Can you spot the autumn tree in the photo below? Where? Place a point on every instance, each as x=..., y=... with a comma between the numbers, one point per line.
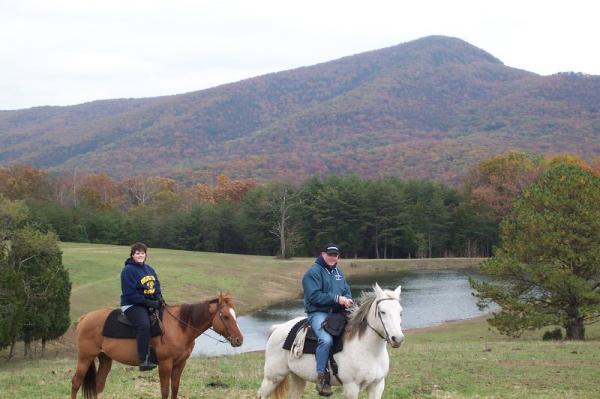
x=547, y=269
x=498, y=181
x=200, y=193
x=24, y=182
x=231, y=190
x=100, y=191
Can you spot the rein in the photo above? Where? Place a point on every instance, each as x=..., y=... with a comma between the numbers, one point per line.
x=199, y=330
x=377, y=313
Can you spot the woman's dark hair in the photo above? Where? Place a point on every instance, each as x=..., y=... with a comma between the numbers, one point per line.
x=138, y=246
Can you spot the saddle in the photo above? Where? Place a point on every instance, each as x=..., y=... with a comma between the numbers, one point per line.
x=310, y=340
x=118, y=326
x=303, y=335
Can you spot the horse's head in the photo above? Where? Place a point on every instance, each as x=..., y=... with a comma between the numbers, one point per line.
x=386, y=315
x=224, y=320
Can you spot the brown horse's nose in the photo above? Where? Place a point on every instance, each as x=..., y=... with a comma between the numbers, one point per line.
x=237, y=341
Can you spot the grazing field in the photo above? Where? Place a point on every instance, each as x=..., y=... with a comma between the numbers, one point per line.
x=455, y=360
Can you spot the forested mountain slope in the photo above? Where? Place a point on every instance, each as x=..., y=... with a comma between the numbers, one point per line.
x=427, y=108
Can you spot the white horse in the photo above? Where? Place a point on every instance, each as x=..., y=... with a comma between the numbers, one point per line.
x=362, y=364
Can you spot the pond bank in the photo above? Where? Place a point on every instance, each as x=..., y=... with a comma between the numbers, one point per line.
x=256, y=282
x=353, y=268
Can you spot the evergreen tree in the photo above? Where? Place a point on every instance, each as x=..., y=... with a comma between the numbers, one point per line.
x=13, y=215
x=547, y=269
x=37, y=259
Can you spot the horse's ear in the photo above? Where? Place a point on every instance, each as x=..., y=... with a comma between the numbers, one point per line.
x=397, y=291
x=377, y=289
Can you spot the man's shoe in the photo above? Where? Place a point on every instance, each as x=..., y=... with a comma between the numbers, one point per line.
x=323, y=385
x=147, y=365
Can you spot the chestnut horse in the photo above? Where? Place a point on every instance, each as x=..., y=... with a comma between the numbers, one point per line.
x=182, y=324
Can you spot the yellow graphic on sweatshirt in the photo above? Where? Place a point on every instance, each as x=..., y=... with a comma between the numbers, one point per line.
x=148, y=281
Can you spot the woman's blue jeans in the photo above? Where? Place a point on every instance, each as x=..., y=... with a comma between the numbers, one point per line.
x=324, y=339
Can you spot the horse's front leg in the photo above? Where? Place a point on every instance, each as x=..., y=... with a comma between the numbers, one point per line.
x=351, y=390
x=375, y=390
x=176, y=377
x=164, y=372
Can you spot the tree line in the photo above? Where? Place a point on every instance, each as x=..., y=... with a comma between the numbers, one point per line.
x=545, y=268
x=383, y=218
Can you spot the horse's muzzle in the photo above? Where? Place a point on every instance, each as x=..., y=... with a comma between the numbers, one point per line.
x=396, y=341
x=236, y=341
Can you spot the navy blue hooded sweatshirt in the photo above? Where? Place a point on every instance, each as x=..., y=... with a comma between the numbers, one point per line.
x=323, y=286
x=138, y=282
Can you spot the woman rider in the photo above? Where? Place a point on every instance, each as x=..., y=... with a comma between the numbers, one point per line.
x=140, y=293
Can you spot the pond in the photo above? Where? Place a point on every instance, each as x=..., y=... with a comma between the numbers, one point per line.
x=428, y=297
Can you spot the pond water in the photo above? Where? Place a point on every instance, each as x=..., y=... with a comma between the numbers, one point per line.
x=428, y=297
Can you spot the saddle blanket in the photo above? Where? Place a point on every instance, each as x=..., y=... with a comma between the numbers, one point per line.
x=310, y=342
x=114, y=328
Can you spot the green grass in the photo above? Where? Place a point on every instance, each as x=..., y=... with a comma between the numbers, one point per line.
x=457, y=360
x=185, y=276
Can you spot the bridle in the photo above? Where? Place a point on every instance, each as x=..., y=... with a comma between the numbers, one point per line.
x=219, y=313
x=378, y=313
x=229, y=336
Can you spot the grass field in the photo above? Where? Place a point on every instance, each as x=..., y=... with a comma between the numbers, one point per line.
x=454, y=360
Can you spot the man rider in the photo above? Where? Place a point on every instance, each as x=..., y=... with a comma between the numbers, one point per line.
x=325, y=290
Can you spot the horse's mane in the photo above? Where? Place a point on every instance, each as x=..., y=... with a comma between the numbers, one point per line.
x=194, y=314
x=358, y=315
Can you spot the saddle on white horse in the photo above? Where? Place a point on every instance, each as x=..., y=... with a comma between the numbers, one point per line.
x=301, y=339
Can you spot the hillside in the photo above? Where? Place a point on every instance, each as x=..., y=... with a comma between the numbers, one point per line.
x=427, y=108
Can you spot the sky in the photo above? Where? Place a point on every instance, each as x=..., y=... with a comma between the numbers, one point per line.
x=65, y=52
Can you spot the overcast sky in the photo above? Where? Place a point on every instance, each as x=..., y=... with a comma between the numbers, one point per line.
x=63, y=52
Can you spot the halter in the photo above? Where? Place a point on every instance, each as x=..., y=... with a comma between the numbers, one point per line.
x=220, y=314
x=377, y=313
x=229, y=337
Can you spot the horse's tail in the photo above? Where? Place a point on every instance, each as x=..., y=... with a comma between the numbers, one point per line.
x=281, y=391
x=273, y=328
x=89, y=382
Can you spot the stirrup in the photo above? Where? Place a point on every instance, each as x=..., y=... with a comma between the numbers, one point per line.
x=147, y=365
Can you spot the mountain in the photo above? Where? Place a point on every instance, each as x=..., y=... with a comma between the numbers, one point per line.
x=428, y=108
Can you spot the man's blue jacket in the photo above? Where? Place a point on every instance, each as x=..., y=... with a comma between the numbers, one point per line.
x=323, y=286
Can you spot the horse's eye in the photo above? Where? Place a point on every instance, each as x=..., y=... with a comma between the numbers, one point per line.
x=381, y=312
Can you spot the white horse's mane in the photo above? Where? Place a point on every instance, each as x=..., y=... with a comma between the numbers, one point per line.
x=357, y=322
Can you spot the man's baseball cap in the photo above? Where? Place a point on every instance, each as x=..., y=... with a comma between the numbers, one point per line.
x=331, y=249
